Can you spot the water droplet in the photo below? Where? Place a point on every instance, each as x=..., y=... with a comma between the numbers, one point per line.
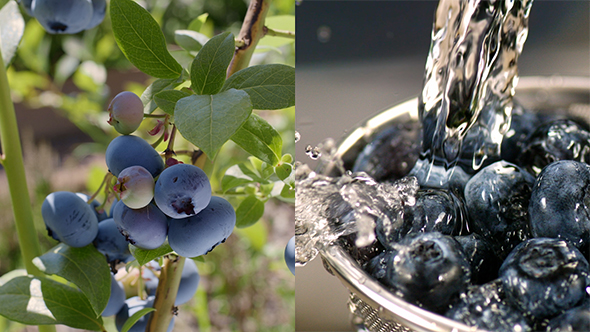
x=297, y=136
x=324, y=34
x=313, y=152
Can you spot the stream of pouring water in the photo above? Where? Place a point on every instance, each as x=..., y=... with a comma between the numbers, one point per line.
x=469, y=81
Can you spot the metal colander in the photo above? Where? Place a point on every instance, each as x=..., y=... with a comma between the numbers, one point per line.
x=373, y=307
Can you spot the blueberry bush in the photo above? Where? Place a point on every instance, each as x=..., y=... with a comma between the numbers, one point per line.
x=195, y=147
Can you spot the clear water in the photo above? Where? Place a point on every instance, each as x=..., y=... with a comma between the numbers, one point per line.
x=469, y=83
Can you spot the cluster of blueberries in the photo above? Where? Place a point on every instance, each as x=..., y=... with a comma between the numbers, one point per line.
x=506, y=249
x=154, y=203
x=66, y=16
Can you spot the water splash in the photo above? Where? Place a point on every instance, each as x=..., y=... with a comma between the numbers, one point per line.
x=327, y=208
x=469, y=83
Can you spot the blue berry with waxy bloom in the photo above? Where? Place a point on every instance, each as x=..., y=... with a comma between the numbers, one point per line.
x=95, y=205
x=111, y=243
x=182, y=190
x=145, y=228
x=200, y=233
x=290, y=254
x=69, y=219
x=62, y=16
x=116, y=298
x=129, y=150
x=99, y=9
x=189, y=282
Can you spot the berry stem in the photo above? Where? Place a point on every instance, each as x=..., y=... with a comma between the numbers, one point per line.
x=166, y=293
x=17, y=182
x=106, y=178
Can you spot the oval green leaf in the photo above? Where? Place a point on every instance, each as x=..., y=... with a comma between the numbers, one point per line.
x=144, y=256
x=162, y=84
x=283, y=171
x=208, y=121
x=141, y=40
x=190, y=40
x=271, y=87
x=249, y=212
x=84, y=267
x=12, y=28
x=209, y=67
x=259, y=139
x=166, y=100
x=40, y=301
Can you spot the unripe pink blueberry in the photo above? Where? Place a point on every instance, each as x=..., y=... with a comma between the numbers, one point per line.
x=125, y=112
x=135, y=185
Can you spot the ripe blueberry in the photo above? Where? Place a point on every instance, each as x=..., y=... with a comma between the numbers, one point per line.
x=69, y=219
x=560, y=203
x=128, y=150
x=182, y=190
x=145, y=228
x=543, y=277
x=200, y=233
x=62, y=16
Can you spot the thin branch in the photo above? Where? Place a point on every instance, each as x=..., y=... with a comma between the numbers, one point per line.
x=279, y=33
x=252, y=31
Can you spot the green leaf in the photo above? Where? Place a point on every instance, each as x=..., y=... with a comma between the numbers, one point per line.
x=141, y=40
x=249, y=212
x=135, y=317
x=236, y=176
x=287, y=192
x=190, y=40
x=84, y=267
x=166, y=100
x=270, y=87
x=198, y=22
x=208, y=121
x=40, y=301
x=283, y=171
x=209, y=67
x=147, y=97
x=12, y=28
x=144, y=256
x=11, y=275
x=259, y=139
